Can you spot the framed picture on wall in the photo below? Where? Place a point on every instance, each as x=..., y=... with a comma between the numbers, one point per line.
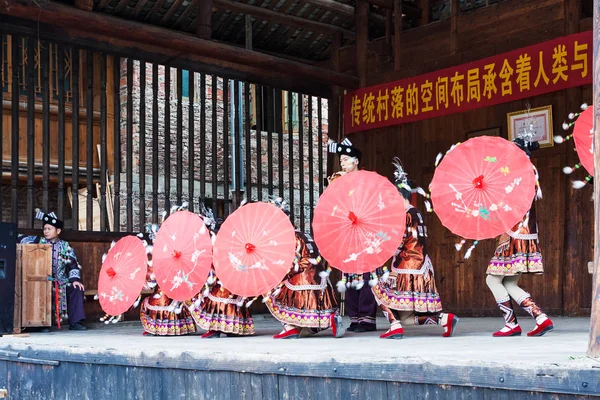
x=484, y=132
x=539, y=119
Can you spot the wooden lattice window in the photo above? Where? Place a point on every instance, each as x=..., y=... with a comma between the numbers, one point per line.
x=53, y=54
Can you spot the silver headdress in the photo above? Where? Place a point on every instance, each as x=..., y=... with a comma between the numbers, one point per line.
x=208, y=216
x=400, y=176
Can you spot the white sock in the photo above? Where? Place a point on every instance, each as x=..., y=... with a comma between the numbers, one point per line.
x=509, y=327
x=541, y=318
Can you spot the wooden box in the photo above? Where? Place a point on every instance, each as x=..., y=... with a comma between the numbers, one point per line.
x=33, y=289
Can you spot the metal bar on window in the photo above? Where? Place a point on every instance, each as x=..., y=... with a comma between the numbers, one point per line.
x=179, y=146
x=117, y=143
x=248, y=142
x=270, y=96
x=61, y=131
x=30, y=86
x=214, y=97
x=291, y=153
x=155, y=148
x=203, y=138
x=167, y=135
x=225, y=147
x=301, y=157
x=89, y=141
x=142, y=147
x=75, y=141
x=259, y=113
x=129, y=144
x=103, y=117
x=15, y=129
x=191, y=143
x=280, y=157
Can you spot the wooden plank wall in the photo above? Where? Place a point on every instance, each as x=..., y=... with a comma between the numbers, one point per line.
x=565, y=216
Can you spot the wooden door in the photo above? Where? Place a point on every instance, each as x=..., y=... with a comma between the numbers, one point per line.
x=36, y=264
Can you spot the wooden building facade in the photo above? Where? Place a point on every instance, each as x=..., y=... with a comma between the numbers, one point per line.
x=565, y=215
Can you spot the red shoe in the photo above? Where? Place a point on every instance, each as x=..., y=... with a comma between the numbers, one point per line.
x=289, y=334
x=516, y=331
x=541, y=329
x=450, y=326
x=397, y=333
x=211, y=335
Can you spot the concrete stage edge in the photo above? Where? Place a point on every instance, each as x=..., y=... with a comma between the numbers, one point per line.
x=117, y=362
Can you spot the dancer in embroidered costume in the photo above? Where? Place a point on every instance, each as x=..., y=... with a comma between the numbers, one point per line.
x=161, y=315
x=66, y=272
x=360, y=303
x=518, y=252
x=409, y=295
x=302, y=305
x=219, y=311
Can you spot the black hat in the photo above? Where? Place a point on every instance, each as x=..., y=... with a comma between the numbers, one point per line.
x=50, y=219
x=345, y=148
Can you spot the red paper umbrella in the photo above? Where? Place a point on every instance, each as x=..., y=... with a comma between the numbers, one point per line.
x=483, y=187
x=359, y=222
x=583, y=136
x=254, y=249
x=182, y=255
x=122, y=275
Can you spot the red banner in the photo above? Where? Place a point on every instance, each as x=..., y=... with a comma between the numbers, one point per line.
x=546, y=67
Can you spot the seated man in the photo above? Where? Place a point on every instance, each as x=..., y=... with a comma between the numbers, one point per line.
x=65, y=271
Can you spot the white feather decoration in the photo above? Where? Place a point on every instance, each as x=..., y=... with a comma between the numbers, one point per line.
x=104, y=257
x=112, y=244
x=324, y=274
x=568, y=170
x=421, y=191
x=558, y=138
x=438, y=159
x=249, y=303
x=578, y=184
x=137, y=302
x=360, y=284
x=157, y=296
x=140, y=235
x=341, y=286
x=313, y=261
x=276, y=292
x=373, y=282
x=538, y=193
x=96, y=296
x=584, y=106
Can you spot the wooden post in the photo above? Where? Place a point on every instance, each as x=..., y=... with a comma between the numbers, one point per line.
x=397, y=33
x=594, y=343
x=453, y=25
x=424, y=5
x=203, y=18
x=362, y=40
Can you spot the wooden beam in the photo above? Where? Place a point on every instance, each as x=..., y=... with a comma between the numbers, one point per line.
x=397, y=33
x=594, y=343
x=425, y=12
x=152, y=13
x=343, y=9
x=111, y=28
x=362, y=40
x=85, y=5
x=281, y=18
x=172, y=10
x=333, y=107
x=203, y=18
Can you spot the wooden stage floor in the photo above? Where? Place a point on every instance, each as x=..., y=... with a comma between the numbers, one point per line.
x=117, y=362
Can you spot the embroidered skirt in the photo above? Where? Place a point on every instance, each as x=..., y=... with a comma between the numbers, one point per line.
x=220, y=312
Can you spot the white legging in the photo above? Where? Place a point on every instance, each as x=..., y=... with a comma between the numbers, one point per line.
x=504, y=286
